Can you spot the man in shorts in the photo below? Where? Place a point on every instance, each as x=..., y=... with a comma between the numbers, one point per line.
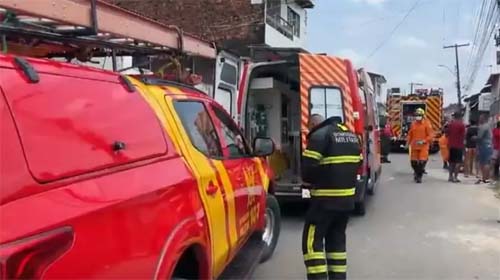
x=496, y=152
x=484, y=148
x=470, y=153
x=456, y=144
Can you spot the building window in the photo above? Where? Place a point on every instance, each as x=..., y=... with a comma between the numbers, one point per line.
x=274, y=18
x=294, y=20
x=273, y=8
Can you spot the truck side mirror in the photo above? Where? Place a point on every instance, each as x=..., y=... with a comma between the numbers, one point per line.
x=263, y=146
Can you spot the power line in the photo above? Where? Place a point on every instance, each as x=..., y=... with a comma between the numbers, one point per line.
x=488, y=17
x=398, y=25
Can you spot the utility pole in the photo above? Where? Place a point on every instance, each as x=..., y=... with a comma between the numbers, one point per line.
x=459, y=90
x=414, y=84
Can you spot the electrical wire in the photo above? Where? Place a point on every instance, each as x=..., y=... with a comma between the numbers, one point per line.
x=489, y=16
x=393, y=31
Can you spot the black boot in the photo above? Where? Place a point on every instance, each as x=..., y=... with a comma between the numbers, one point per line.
x=420, y=171
x=414, y=165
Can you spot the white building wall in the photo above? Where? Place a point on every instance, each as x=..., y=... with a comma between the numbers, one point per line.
x=275, y=39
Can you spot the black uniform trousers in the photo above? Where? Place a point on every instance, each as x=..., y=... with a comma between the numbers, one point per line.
x=324, y=242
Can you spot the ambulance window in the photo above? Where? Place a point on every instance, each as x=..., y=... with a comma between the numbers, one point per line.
x=199, y=126
x=224, y=98
x=327, y=102
x=229, y=74
x=234, y=142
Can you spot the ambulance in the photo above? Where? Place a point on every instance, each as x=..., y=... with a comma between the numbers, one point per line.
x=274, y=96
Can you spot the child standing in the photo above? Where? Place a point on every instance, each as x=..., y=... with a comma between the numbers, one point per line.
x=444, y=150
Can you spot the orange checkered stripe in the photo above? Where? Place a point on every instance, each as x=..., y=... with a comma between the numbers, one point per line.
x=393, y=108
x=434, y=113
x=326, y=71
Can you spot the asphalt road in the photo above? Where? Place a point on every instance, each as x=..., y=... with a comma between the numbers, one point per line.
x=436, y=230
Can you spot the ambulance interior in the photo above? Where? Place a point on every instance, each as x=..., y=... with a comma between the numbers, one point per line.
x=273, y=110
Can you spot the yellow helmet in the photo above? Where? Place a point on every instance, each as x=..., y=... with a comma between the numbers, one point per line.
x=420, y=112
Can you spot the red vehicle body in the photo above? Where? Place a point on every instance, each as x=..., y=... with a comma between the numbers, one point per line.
x=99, y=180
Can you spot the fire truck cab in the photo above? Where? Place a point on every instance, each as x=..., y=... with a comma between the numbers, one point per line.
x=277, y=92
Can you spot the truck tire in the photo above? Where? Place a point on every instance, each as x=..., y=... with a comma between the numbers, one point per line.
x=360, y=208
x=272, y=229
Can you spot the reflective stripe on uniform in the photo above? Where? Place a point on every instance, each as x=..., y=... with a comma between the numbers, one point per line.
x=337, y=268
x=317, y=269
x=337, y=256
x=310, y=238
x=314, y=256
x=334, y=192
x=340, y=159
x=343, y=127
x=312, y=154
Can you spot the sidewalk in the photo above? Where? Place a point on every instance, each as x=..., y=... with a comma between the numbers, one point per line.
x=442, y=175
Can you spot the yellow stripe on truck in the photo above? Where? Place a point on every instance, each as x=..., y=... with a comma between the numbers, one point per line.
x=264, y=178
x=229, y=190
x=200, y=167
x=214, y=205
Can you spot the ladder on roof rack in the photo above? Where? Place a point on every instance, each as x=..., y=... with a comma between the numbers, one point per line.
x=59, y=26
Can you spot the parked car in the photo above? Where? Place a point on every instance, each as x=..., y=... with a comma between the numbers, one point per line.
x=104, y=176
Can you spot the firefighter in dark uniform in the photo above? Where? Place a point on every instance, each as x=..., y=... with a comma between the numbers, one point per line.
x=329, y=170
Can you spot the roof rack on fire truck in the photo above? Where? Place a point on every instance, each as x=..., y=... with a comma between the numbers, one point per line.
x=93, y=28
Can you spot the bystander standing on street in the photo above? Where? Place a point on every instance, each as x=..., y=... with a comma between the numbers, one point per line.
x=470, y=153
x=484, y=148
x=443, y=147
x=386, y=142
x=496, y=151
x=456, y=140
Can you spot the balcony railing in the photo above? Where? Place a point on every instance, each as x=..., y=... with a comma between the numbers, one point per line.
x=280, y=24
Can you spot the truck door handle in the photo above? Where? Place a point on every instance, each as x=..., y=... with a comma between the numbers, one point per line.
x=211, y=189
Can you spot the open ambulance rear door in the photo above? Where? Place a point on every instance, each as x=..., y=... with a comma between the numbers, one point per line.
x=371, y=125
x=227, y=76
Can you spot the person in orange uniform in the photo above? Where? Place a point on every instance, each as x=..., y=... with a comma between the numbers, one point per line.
x=419, y=139
x=443, y=148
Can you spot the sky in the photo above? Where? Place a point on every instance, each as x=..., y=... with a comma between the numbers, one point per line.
x=354, y=28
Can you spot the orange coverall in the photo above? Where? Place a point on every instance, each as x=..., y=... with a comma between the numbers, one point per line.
x=420, y=131
x=443, y=148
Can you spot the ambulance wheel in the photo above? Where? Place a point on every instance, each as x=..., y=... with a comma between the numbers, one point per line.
x=360, y=208
x=272, y=228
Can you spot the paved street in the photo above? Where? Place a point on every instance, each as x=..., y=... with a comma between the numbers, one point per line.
x=436, y=230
